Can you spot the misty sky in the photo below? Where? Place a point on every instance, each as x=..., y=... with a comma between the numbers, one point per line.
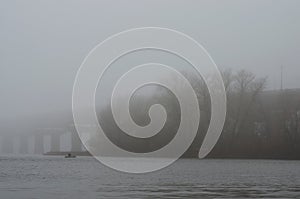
x=44, y=42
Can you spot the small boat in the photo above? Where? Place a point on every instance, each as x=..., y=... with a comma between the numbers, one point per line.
x=69, y=155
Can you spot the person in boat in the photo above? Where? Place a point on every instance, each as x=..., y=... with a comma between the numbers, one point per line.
x=69, y=155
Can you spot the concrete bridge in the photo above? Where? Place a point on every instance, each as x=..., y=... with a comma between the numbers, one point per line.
x=40, y=141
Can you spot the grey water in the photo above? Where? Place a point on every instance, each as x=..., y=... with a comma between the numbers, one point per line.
x=84, y=177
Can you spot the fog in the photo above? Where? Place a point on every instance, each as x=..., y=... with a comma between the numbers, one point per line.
x=43, y=43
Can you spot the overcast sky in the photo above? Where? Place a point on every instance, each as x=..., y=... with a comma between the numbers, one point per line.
x=44, y=42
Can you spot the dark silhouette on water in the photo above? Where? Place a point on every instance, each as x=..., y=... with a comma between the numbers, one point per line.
x=69, y=155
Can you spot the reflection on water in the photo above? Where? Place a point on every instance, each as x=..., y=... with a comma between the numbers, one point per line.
x=84, y=177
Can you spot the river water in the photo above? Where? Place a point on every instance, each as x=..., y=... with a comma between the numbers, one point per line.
x=83, y=177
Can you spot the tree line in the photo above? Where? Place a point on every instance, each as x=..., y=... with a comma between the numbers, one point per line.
x=259, y=123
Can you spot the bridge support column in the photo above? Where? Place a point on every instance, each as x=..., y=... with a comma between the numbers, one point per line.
x=298, y=122
x=24, y=145
x=55, y=143
x=7, y=145
x=39, y=144
x=75, y=142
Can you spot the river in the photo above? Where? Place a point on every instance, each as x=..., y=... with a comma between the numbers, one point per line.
x=83, y=177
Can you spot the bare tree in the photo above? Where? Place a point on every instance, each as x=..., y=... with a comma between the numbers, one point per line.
x=246, y=90
x=228, y=78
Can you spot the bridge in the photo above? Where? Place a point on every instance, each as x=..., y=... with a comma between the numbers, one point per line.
x=37, y=141
x=39, y=134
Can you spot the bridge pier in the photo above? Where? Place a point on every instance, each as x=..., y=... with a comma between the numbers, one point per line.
x=39, y=144
x=76, y=144
x=55, y=143
x=7, y=145
x=298, y=122
x=24, y=144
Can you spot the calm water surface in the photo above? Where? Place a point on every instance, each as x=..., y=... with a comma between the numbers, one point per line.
x=84, y=177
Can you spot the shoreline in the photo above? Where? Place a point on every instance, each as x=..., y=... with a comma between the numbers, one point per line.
x=87, y=154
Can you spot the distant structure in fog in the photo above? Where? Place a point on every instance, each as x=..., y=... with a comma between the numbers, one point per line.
x=11, y=140
x=281, y=78
x=270, y=129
